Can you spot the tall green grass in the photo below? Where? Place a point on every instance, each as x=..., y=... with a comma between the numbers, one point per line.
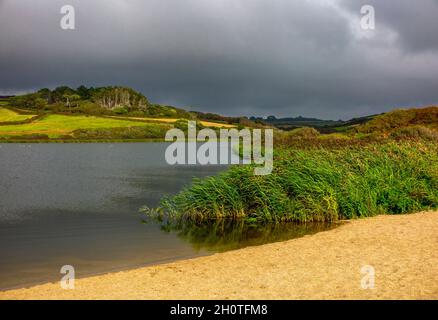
x=317, y=184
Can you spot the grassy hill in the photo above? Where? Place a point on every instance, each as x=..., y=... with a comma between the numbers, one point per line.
x=110, y=101
x=401, y=118
x=15, y=126
x=106, y=113
x=399, y=124
x=111, y=113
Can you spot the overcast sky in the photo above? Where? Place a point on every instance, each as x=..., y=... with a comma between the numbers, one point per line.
x=234, y=57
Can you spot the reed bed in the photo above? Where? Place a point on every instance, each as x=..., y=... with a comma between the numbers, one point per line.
x=316, y=184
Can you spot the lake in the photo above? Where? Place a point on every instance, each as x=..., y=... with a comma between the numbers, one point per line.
x=78, y=204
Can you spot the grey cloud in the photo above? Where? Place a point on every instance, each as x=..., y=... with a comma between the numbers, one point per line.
x=253, y=57
x=416, y=23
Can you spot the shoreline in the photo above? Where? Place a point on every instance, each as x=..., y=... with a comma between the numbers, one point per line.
x=125, y=268
x=36, y=141
x=403, y=249
x=74, y=141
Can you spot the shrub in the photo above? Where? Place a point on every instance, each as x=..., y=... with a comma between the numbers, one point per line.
x=120, y=110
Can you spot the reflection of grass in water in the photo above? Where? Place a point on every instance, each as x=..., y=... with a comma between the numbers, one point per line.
x=223, y=235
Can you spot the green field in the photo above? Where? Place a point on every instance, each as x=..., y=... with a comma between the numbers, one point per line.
x=55, y=126
x=7, y=115
x=86, y=127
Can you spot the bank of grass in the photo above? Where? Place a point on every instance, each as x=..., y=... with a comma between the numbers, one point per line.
x=317, y=184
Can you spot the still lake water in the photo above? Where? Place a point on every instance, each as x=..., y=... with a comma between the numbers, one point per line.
x=78, y=204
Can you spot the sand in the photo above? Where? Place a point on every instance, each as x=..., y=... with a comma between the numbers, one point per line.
x=403, y=250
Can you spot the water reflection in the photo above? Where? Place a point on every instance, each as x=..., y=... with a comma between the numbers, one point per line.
x=223, y=235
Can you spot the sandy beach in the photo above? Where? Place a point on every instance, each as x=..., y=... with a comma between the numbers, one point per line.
x=403, y=250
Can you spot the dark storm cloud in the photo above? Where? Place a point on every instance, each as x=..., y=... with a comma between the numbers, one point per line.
x=233, y=57
x=416, y=24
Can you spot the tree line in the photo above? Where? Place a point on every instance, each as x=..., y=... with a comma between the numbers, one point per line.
x=97, y=101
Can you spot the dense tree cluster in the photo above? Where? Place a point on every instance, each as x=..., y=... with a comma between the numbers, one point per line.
x=100, y=101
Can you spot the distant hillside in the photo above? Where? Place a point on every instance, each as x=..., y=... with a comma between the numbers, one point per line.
x=126, y=102
x=297, y=122
x=323, y=126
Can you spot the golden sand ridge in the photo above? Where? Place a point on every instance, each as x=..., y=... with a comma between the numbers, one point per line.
x=402, y=249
